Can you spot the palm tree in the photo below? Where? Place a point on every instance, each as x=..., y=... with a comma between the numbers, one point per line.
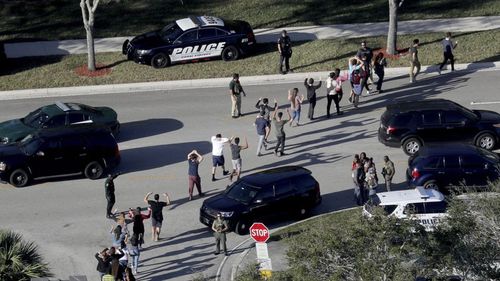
x=20, y=260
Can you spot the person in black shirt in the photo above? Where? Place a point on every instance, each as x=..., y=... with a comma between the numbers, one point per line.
x=367, y=52
x=103, y=262
x=285, y=50
x=156, y=213
x=109, y=189
x=311, y=95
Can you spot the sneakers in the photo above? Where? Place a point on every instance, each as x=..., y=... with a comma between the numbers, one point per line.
x=225, y=173
x=213, y=177
x=439, y=71
x=350, y=99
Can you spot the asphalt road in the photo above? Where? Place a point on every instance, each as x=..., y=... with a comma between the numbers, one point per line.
x=66, y=217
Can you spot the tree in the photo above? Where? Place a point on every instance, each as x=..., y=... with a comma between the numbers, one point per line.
x=88, y=12
x=392, y=34
x=468, y=243
x=20, y=260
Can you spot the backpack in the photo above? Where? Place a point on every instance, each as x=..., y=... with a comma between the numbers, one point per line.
x=356, y=76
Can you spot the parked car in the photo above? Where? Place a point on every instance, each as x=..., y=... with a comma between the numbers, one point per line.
x=50, y=153
x=427, y=206
x=413, y=124
x=441, y=167
x=58, y=115
x=192, y=39
x=267, y=194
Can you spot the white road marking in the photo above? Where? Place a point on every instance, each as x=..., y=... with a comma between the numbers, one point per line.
x=484, y=102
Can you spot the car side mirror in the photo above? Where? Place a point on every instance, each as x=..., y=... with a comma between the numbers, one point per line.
x=40, y=153
x=258, y=201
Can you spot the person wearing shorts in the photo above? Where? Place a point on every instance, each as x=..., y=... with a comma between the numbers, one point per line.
x=156, y=213
x=217, y=154
x=236, y=148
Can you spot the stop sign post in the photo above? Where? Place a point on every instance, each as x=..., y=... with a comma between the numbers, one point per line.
x=259, y=232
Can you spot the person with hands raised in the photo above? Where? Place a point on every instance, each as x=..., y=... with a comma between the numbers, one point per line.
x=156, y=213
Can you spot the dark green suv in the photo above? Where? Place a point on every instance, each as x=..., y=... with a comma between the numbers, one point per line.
x=58, y=115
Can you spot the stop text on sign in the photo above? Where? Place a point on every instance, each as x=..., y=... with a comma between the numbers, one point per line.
x=259, y=232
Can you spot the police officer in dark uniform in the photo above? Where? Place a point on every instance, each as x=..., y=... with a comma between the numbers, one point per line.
x=285, y=50
x=109, y=189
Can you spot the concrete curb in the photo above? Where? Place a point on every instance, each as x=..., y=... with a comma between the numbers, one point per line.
x=213, y=83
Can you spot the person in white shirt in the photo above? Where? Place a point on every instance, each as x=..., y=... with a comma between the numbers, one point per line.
x=217, y=154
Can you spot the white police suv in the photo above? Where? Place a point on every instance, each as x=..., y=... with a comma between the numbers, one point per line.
x=192, y=39
x=428, y=206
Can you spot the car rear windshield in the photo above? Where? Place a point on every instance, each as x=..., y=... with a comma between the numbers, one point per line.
x=242, y=192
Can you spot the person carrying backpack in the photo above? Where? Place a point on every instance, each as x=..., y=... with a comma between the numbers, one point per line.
x=357, y=85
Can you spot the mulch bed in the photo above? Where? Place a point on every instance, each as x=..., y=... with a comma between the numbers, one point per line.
x=101, y=70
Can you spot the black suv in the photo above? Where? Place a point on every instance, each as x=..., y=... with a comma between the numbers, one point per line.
x=58, y=152
x=415, y=123
x=192, y=39
x=263, y=195
x=444, y=166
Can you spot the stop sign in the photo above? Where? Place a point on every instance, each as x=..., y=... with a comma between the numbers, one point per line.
x=259, y=232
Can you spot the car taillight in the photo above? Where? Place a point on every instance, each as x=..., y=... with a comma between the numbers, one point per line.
x=415, y=174
x=390, y=130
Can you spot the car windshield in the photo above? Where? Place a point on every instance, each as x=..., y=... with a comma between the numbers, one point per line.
x=170, y=32
x=242, y=192
x=35, y=119
x=29, y=145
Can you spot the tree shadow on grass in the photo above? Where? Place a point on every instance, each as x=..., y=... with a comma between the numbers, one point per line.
x=15, y=65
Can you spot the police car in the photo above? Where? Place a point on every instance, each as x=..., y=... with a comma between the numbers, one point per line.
x=192, y=39
x=427, y=206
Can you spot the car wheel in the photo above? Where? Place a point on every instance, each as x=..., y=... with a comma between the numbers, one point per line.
x=411, y=146
x=19, y=178
x=432, y=184
x=159, y=60
x=486, y=141
x=242, y=227
x=93, y=170
x=230, y=53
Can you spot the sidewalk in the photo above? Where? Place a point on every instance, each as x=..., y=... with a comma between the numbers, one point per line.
x=305, y=33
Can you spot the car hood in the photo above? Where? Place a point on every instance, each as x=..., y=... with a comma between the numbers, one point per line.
x=488, y=116
x=148, y=41
x=8, y=150
x=223, y=203
x=14, y=130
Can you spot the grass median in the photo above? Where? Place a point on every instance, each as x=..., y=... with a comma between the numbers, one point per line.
x=319, y=55
x=61, y=19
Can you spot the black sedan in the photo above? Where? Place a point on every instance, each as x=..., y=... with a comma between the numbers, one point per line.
x=56, y=116
x=192, y=39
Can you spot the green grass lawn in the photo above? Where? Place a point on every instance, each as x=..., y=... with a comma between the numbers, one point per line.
x=319, y=55
x=61, y=19
x=334, y=219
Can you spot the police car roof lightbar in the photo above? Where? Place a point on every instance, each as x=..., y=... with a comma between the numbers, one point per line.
x=424, y=193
